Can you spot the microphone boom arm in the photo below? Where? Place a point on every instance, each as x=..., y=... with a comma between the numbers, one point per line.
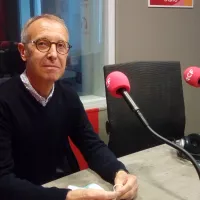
x=136, y=109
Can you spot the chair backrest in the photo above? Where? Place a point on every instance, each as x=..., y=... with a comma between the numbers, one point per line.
x=156, y=87
x=11, y=63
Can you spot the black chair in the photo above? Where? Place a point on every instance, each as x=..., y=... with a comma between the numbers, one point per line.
x=11, y=63
x=156, y=87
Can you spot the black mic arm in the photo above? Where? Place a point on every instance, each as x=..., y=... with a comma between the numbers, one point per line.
x=136, y=109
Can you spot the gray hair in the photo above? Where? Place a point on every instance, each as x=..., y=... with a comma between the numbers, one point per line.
x=24, y=34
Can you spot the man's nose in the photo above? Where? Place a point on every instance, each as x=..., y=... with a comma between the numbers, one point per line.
x=52, y=53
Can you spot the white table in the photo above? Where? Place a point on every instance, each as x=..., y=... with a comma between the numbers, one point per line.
x=161, y=176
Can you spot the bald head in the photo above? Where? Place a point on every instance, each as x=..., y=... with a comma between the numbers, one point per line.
x=25, y=34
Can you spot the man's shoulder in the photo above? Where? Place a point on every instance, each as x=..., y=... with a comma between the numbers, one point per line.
x=68, y=95
x=66, y=88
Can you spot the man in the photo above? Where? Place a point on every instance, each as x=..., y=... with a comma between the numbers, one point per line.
x=38, y=113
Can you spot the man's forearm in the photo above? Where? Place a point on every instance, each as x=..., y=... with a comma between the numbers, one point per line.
x=13, y=188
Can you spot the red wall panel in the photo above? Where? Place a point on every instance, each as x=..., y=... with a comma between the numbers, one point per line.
x=93, y=116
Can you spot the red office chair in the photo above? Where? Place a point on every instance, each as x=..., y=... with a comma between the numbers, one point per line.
x=2, y=20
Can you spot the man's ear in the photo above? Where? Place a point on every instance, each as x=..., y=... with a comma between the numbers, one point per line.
x=22, y=51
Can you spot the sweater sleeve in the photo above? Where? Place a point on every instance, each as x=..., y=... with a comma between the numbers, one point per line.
x=12, y=187
x=95, y=151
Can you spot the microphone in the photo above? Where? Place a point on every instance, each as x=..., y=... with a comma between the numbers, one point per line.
x=192, y=76
x=118, y=86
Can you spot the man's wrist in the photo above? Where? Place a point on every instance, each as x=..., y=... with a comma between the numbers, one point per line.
x=121, y=171
x=68, y=195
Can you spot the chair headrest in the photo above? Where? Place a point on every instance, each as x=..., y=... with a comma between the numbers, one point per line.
x=8, y=45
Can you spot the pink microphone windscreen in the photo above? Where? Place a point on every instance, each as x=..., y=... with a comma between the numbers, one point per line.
x=117, y=80
x=192, y=76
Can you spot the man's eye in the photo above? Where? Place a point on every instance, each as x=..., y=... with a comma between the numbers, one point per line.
x=43, y=44
x=61, y=45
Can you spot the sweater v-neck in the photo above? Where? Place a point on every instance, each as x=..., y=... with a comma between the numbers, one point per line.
x=33, y=99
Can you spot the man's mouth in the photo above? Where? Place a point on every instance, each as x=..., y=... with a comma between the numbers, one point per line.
x=51, y=66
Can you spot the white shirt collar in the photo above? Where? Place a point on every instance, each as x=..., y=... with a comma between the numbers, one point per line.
x=30, y=88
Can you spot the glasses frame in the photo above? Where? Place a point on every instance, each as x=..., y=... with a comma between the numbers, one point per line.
x=56, y=43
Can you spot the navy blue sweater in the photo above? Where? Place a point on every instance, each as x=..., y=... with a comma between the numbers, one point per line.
x=34, y=146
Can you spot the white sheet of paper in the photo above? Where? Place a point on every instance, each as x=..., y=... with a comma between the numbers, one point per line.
x=90, y=186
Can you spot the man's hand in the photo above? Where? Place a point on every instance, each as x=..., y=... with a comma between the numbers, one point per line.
x=126, y=185
x=91, y=194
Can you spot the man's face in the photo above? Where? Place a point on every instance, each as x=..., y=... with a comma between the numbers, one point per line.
x=46, y=66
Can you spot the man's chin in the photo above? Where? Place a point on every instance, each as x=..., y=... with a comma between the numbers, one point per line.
x=52, y=78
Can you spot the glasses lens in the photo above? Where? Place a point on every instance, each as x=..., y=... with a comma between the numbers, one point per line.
x=62, y=47
x=43, y=45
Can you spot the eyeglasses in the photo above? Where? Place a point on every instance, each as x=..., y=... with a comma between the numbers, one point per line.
x=44, y=45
